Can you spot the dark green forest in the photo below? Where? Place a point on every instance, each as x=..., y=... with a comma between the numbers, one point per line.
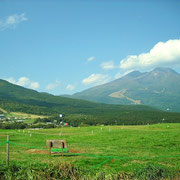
x=95, y=115
x=77, y=112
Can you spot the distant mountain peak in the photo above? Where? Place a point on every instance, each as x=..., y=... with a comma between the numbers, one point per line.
x=134, y=73
x=159, y=88
x=164, y=69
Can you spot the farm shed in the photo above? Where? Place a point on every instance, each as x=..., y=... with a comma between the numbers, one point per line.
x=56, y=144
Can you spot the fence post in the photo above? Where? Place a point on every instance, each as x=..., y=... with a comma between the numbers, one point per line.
x=7, y=151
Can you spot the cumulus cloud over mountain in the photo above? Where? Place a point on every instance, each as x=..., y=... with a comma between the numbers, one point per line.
x=162, y=54
x=96, y=79
x=24, y=81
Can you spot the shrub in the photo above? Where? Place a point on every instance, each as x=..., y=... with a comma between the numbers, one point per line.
x=154, y=172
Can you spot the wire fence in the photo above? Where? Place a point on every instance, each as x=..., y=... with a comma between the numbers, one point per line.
x=28, y=146
x=34, y=154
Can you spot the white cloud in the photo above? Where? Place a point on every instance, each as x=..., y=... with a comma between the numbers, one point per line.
x=11, y=80
x=53, y=86
x=162, y=54
x=70, y=87
x=24, y=81
x=108, y=65
x=96, y=79
x=34, y=85
x=12, y=21
x=91, y=58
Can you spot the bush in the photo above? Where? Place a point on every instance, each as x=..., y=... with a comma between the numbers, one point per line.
x=66, y=171
x=154, y=172
x=18, y=171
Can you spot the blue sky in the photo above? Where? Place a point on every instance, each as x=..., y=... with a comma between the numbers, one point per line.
x=63, y=47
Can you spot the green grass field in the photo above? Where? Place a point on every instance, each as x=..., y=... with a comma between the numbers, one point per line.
x=111, y=149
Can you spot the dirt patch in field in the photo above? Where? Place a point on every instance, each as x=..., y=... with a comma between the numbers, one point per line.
x=74, y=151
x=38, y=151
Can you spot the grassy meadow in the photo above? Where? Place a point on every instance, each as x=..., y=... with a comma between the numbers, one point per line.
x=108, y=149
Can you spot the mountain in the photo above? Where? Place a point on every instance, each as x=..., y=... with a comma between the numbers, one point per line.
x=159, y=88
x=15, y=98
x=48, y=103
x=11, y=93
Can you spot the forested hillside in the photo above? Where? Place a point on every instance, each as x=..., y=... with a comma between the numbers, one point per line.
x=15, y=98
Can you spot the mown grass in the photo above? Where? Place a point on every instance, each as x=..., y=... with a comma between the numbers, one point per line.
x=137, y=151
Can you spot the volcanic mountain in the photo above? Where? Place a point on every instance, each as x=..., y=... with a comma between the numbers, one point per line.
x=159, y=88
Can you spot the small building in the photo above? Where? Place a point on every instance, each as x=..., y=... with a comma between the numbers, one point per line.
x=2, y=117
x=56, y=144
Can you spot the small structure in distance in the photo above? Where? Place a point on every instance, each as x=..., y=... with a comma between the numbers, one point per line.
x=2, y=117
x=57, y=146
